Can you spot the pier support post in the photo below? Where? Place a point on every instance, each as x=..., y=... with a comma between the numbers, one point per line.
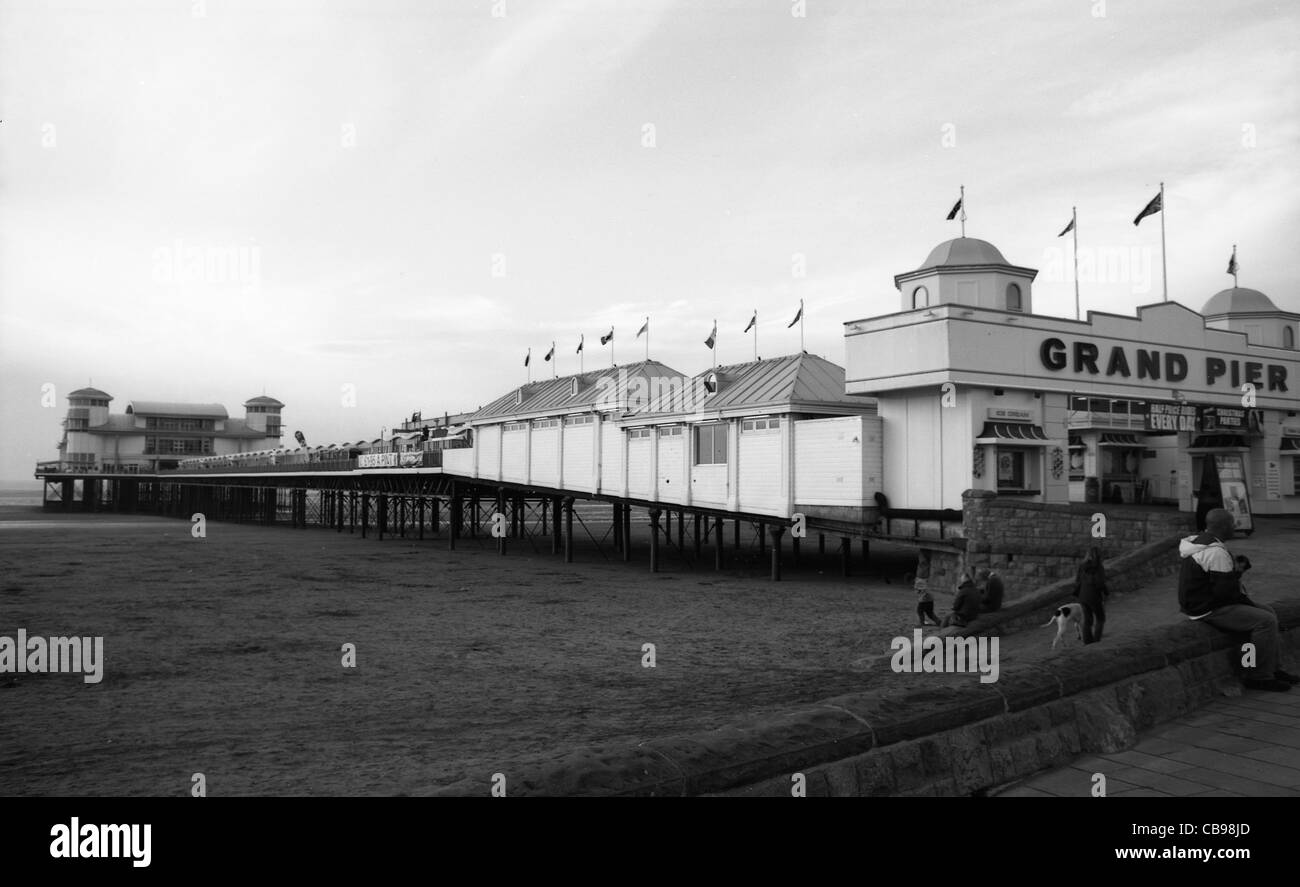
x=654, y=540
x=419, y=515
x=365, y=514
x=846, y=552
x=568, y=530
x=556, y=535
x=696, y=531
x=777, y=531
x=762, y=540
x=617, y=518
x=501, y=510
x=627, y=533
x=717, y=544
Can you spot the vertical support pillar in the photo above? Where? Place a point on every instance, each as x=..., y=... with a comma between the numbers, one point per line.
x=696, y=531
x=654, y=540
x=365, y=514
x=735, y=534
x=618, y=526
x=435, y=520
x=794, y=548
x=777, y=530
x=501, y=509
x=846, y=552
x=627, y=533
x=762, y=541
x=568, y=530
x=681, y=530
x=419, y=515
x=557, y=543
x=717, y=545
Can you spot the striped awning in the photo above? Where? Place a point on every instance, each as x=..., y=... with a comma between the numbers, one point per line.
x=1116, y=439
x=1291, y=445
x=1018, y=433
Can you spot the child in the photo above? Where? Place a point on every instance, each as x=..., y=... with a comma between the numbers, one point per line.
x=924, y=600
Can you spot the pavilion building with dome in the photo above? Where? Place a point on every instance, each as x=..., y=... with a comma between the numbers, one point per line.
x=153, y=435
x=1169, y=406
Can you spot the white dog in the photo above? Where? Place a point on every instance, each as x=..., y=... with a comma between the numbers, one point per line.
x=1064, y=617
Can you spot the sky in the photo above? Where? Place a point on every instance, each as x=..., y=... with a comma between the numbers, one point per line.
x=204, y=200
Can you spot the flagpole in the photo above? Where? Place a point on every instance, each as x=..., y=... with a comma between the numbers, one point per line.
x=803, y=347
x=647, y=338
x=755, y=334
x=528, y=364
x=582, y=357
x=555, y=359
x=1234, y=266
x=1164, y=267
x=611, y=347
x=714, y=349
x=963, y=228
x=1075, y=219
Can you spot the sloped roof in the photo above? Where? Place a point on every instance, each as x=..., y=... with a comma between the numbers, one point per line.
x=555, y=397
x=796, y=382
x=263, y=400
x=168, y=408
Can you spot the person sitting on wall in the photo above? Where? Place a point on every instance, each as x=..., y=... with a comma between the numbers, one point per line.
x=991, y=590
x=966, y=605
x=1090, y=588
x=1210, y=591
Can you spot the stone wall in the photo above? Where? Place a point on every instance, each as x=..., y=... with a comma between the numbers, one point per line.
x=1033, y=545
x=927, y=740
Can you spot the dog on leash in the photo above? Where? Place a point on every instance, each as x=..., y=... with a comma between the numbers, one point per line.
x=1065, y=617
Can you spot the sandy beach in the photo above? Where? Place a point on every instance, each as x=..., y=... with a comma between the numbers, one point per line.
x=223, y=655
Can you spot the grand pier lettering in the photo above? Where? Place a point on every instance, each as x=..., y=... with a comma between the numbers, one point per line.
x=1169, y=366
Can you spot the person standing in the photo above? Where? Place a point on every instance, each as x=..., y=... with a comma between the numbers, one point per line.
x=1091, y=591
x=924, y=600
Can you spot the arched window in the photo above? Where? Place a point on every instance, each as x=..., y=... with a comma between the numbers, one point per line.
x=1013, y=298
x=920, y=297
x=1288, y=336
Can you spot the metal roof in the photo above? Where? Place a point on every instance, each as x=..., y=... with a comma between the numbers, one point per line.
x=796, y=381
x=556, y=397
x=167, y=408
x=263, y=399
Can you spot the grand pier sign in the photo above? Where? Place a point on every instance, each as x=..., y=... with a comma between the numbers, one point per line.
x=1083, y=356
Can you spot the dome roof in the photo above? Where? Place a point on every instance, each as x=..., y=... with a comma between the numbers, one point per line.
x=262, y=399
x=1236, y=300
x=964, y=251
x=90, y=392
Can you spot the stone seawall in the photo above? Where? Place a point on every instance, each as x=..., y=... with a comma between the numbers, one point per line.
x=1033, y=545
x=930, y=740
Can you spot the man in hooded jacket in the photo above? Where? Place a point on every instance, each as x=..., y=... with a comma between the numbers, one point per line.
x=1209, y=590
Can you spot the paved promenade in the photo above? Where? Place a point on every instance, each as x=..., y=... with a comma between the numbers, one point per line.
x=1245, y=745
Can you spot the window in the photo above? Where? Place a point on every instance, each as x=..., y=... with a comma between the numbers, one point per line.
x=711, y=444
x=514, y=426
x=1011, y=468
x=760, y=425
x=638, y=433
x=920, y=297
x=1288, y=336
x=670, y=431
x=577, y=420
x=546, y=423
x=1013, y=298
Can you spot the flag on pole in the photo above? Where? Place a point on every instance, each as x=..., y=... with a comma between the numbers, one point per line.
x=753, y=320
x=798, y=316
x=550, y=353
x=1151, y=209
x=529, y=357
x=644, y=328
x=1232, y=262
x=581, y=339
x=1067, y=229
x=956, y=208
x=713, y=336
x=606, y=339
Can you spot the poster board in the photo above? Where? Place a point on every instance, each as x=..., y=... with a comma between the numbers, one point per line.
x=1235, y=490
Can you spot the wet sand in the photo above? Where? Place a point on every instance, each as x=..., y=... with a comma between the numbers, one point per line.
x=223, y=655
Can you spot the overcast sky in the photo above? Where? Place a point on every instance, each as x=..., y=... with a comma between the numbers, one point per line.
x=415, y=193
